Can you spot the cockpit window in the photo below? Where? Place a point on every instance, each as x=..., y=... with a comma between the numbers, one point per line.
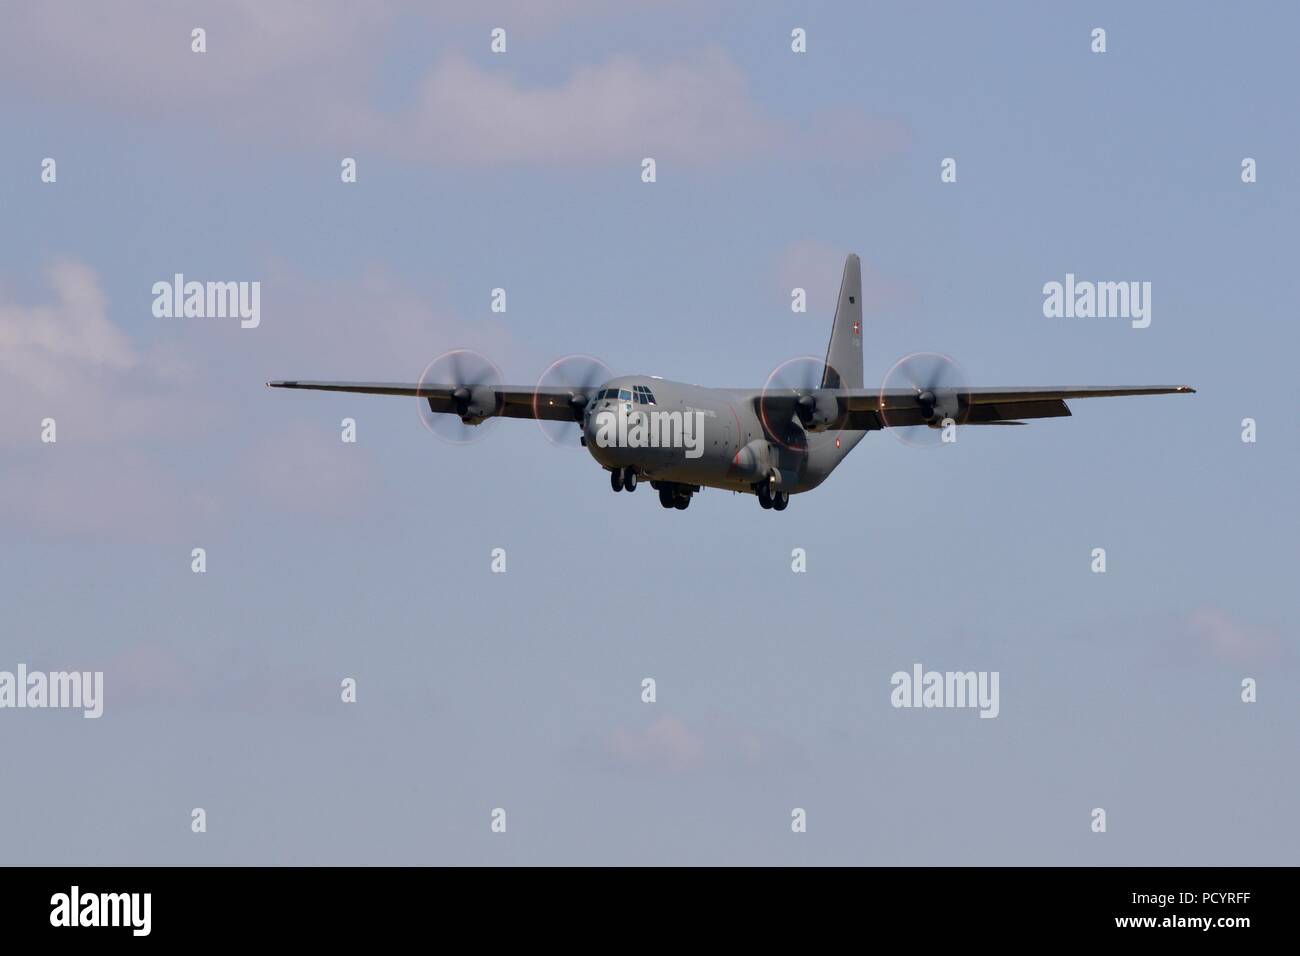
x=640, y=394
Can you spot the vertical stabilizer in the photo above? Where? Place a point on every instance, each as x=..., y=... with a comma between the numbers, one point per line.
x=844, y=356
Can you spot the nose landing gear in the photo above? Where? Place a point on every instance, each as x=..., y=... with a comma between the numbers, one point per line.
x=623, y=479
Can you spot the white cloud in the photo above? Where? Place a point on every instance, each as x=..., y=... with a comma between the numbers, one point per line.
x=75, y=327
x=65, y=359
x=156, y=440
x=719, y=745
x=297, y=73
x=666, y=742
x=138, y=54
x=696, y=110
x=1217, y=634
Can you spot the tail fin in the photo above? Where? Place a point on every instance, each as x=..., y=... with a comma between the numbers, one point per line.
x=844, y=356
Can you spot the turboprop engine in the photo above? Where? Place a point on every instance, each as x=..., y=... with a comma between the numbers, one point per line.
x=817, y=410
x=938, y=405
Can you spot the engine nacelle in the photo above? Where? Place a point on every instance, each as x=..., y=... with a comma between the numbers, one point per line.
x=818, y=410
x=939, y=404
x=475, y=403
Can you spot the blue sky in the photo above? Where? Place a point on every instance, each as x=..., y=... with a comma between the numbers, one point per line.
x=522, y=690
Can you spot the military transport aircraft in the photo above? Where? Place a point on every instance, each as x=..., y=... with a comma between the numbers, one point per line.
x=775, y=441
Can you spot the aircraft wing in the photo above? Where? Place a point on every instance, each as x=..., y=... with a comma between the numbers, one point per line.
x=509, y=401
x=984, y=406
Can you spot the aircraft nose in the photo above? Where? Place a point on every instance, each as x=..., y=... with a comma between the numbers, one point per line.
x=596, y=433
x=590, y=426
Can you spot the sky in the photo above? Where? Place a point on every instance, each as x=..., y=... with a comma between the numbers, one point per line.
x=522, y=690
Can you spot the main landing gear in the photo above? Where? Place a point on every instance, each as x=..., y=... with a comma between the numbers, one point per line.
x=673, y=495
x=769, y=497
x=622, y=479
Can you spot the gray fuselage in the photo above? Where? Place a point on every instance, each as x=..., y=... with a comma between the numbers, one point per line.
x=712, y=437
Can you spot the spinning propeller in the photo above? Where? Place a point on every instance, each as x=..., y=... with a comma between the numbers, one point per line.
x=472, y=377
x=579, y=375
x=939, y=389
x=793, y=393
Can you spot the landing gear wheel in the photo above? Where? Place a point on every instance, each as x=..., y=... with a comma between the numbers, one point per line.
x=629, y=479
x=616, y=479
x=666, y=497
x=780, y=500
x=682, y=503
x=765, y=494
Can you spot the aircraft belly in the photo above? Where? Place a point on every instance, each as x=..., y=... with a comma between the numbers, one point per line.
x=710, y=469
x=715, y=449
x=717, y=440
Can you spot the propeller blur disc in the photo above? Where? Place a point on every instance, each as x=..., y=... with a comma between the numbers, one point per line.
x=923, y=373
x=581, y=376
x=475, y=375
x=800, y=375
